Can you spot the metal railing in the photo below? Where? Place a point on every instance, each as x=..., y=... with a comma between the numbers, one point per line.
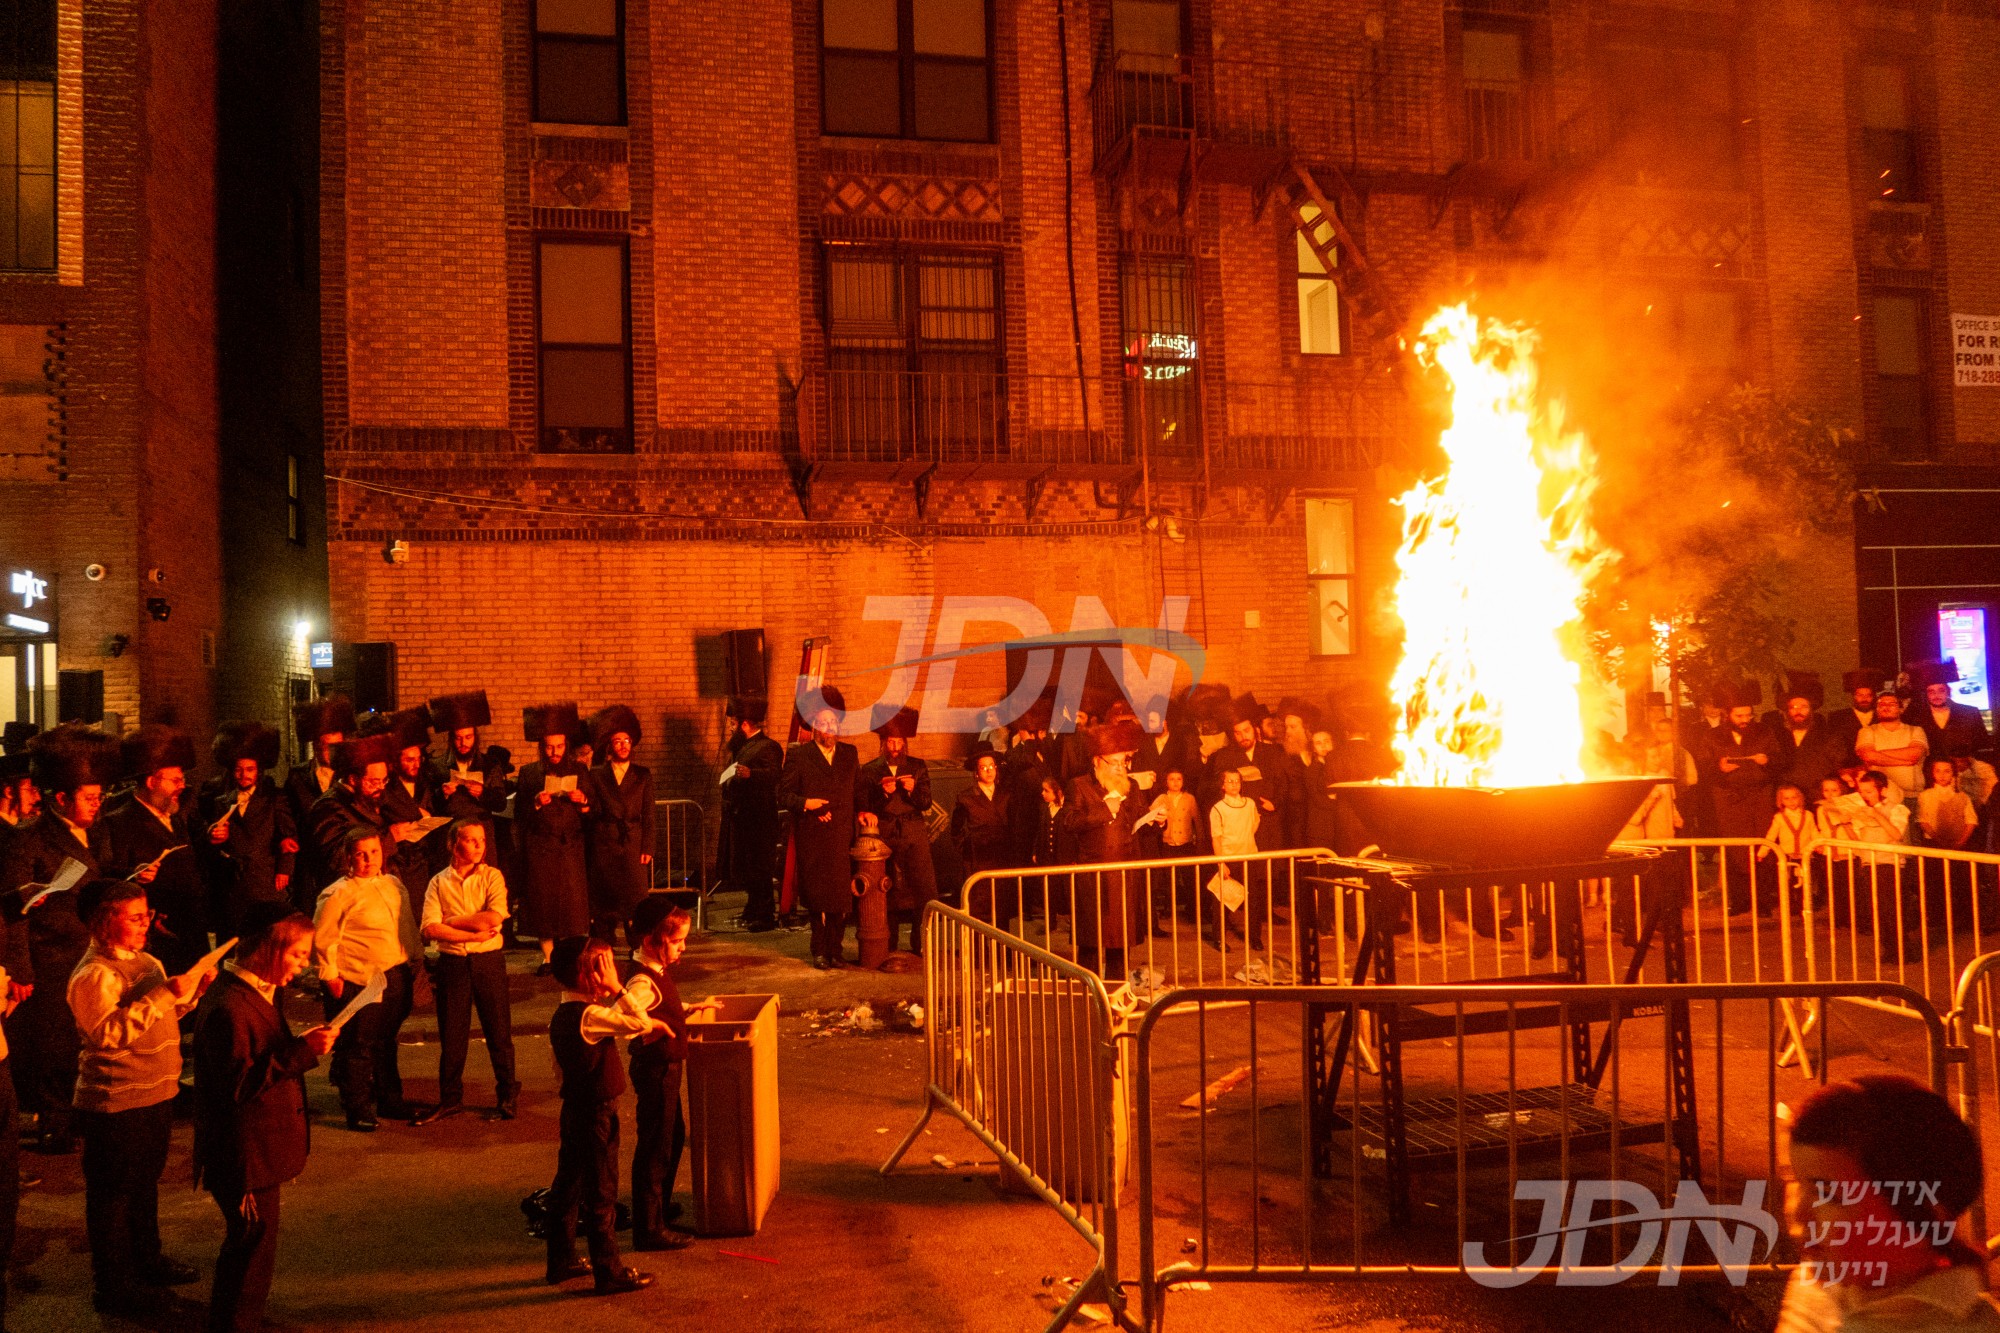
x=897, y=416
x=1022, y=1051
x=1164, y=917
x=1225, y=1133
x=1975, y=1018
x=679, y=827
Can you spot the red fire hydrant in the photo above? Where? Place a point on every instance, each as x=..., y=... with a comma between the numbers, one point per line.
x=871, y=890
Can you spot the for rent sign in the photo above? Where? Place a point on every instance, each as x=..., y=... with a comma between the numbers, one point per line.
x=1975, y=351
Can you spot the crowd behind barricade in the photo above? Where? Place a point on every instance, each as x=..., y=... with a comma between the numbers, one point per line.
x=149, y=936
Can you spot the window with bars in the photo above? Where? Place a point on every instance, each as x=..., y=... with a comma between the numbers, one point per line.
x=1320, y=333
x=1902, y=373
x=1500, y=120
x=584, y=337
x=914, y=353
x=28, y=135
x=1162, y=355
x=907, y=69
x=580, y=62
x=1888, y=133
x=1330, y=575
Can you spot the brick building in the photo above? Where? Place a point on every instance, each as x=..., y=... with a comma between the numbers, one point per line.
x=118, y=516
x=644, y=322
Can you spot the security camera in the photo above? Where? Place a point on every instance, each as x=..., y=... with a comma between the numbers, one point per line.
x=156, y=575
x=115, y=645
x=94, y=572
x=157, y=608
x=397, y=553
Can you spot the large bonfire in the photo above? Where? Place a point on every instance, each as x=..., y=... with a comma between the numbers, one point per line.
x=1495, y=559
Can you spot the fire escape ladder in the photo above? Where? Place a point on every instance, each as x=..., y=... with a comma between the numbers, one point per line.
x=1372, y=312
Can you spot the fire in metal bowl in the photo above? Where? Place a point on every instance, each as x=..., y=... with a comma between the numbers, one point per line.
x=1495, y=827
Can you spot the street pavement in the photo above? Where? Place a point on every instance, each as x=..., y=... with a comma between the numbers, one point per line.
x=422, y=1229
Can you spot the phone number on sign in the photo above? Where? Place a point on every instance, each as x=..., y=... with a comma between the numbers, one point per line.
x=1982, y=377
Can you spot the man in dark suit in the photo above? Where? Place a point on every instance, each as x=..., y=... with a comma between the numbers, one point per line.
x=73, y=766
x=323, y=724
x=245, y=829
x=1845, y=724
x=355, y=801
x=251, y=1133
x=147, y=841
x=750, y=814
x=982, y=831
x=618, y=832
x=1806, y=749
x=20, y=805
x=410, y=796
x=1954, y=730
x=474, y=782
x=818, y=788
x=896, y=789
x=1267, y=778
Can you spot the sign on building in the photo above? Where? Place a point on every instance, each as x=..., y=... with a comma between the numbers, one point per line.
x=1975, y=351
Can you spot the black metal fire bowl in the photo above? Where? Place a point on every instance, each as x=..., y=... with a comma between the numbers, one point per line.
x=1495, y=827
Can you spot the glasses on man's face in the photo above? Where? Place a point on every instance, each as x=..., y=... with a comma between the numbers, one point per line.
x=145, y=918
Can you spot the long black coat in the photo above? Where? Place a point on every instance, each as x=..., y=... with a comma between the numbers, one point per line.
x=555, y=886
x=1963, y=733
x=821, y=839
x=750, y=811
x=134, y=835
x=617, y=832
x=1118, y=918
x=982, y=829
x=414, y=862
x=309, y=873
x=1806, y=761
x=1280, y=780
x=333, y=817
x=250, y=1126
x=244, y=868
x=57, y=937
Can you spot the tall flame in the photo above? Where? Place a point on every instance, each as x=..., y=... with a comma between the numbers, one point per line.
x=1493, y=566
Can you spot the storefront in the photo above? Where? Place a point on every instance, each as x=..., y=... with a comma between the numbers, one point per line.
x=29, y=682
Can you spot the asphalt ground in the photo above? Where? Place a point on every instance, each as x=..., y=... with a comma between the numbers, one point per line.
x=421, y=1228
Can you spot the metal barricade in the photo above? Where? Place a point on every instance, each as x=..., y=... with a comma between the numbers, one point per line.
x=1975, y=1017
x=1170, y=917
x=678, y=828
x=1022, y=1051
x=1895, y=912
x=1231, y=1189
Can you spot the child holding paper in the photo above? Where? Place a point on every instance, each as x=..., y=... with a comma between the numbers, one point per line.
x=583, y=1033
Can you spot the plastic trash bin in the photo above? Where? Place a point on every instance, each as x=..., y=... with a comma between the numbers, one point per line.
x=732, y=1082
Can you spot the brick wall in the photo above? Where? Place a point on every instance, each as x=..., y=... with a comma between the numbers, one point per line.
x=733, y=195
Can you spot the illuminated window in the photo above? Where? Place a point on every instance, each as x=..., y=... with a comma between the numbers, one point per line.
x=906, y=69
x=1330, y=575
x=580, y=62
x=1499, y=110
x=1888, y=138
x=28, y=135
x=1319, y=299
x=586, y=399
x=1162, y=356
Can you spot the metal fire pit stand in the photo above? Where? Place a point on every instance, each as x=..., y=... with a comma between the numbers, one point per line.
x=1388, y=888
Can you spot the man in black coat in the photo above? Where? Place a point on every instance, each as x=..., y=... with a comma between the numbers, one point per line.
x=1844, y=725
x=618, y=832
x=409, y=796
x=818, y=788
x=251, y=1132
x=1806, y=749
x=1268, y=778
x=1742, y=754
x=324, y=724
x=245, y=826
x=750, y=814
x=896, y=788
x=72, y=766
x=20, y=805
x=147, y=840
x=355, y=801
x=474, y=782
x=1954, y=730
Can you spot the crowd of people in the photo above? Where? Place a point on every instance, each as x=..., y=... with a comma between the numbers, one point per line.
x=1211, y=773
x=149, y=933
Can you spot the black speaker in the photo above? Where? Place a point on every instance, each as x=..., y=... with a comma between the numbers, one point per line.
x=79, y=696
x=745, y=669
x=366, y=673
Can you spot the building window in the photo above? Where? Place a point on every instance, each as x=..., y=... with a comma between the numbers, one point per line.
x=1888, y=135
x=914, y=355
x=908, y=69
x=1330, y=575
x=1673, y=117
x=28, y=135
x=586, y=398
x=1319, y=299
x=295, y=528
x=1901, y=375
x=1500, y=121
x=580, y=62
x=1162, y=356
